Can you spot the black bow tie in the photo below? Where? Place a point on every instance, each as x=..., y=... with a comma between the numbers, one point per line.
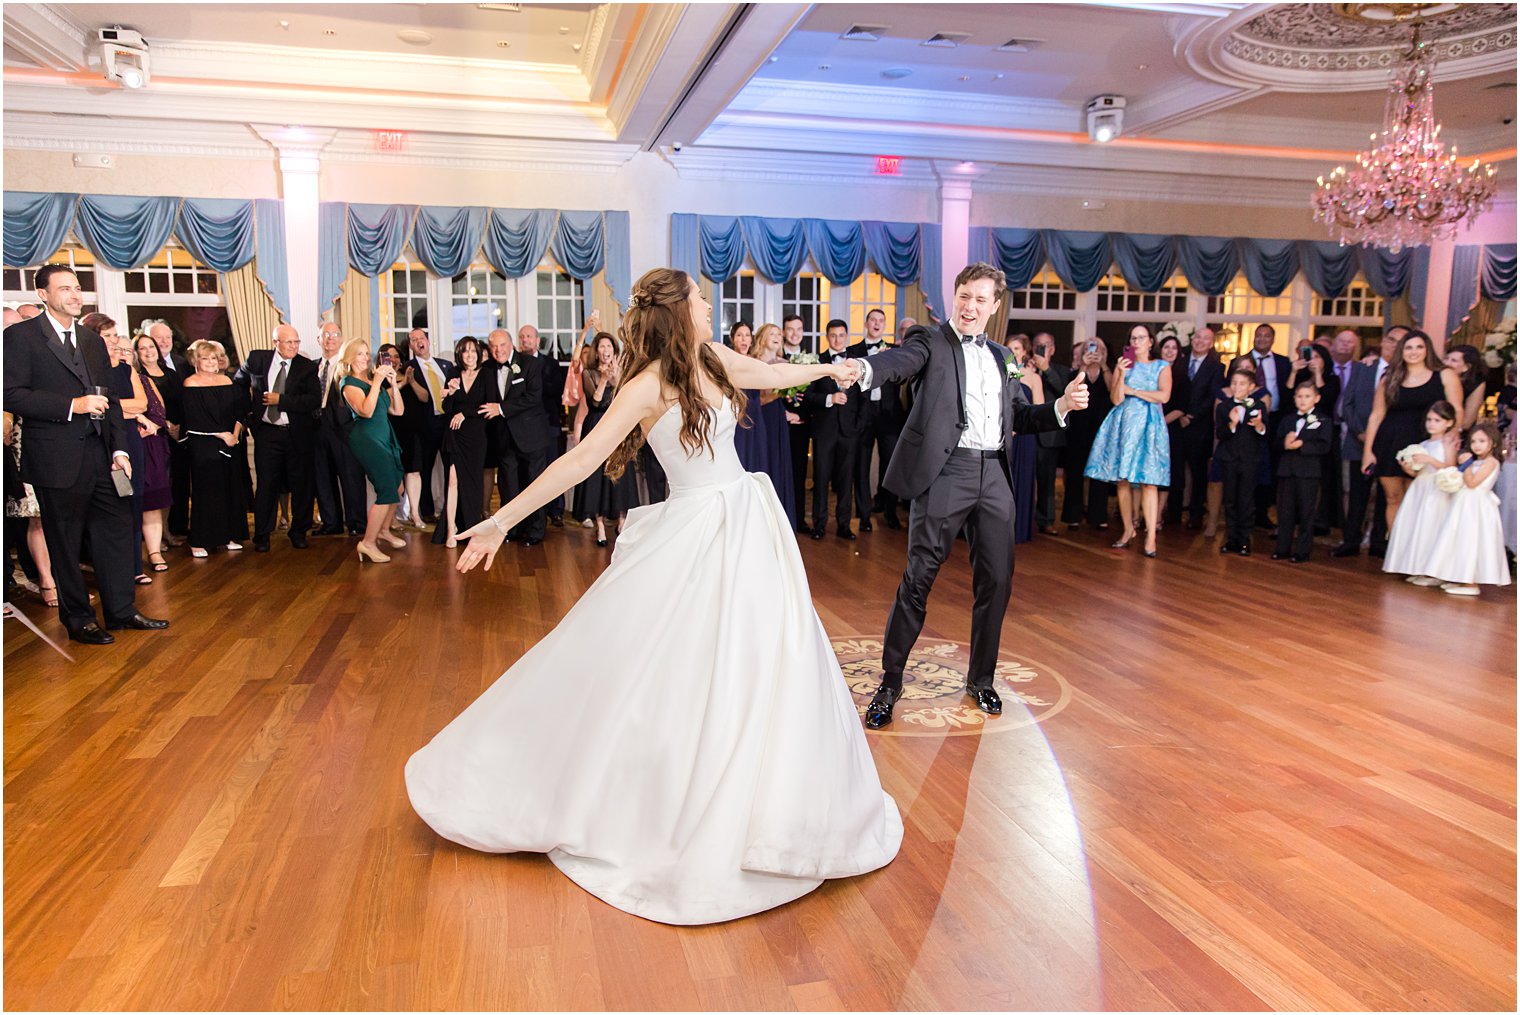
x=980, y=340
x=871, y=345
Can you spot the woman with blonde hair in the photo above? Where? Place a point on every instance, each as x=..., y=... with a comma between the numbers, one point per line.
x=715, y=768
x=373, y=396
x=214, y=411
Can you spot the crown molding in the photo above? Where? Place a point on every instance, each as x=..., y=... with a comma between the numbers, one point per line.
x=106, y=135
x=522, y=155
x=1181, y=188
x=701, y=162
x=46, y=35
x=805, y=98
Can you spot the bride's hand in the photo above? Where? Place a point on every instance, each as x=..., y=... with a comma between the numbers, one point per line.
x=485, y=539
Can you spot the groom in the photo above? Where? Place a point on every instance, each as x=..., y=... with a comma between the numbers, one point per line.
x=953, y=462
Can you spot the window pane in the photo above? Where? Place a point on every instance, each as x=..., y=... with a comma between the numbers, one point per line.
x=183, y=282
x=158, y=282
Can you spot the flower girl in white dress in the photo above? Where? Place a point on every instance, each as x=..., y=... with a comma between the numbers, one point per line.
x=1425, y=505
x=698, y=767
x=1469, y=549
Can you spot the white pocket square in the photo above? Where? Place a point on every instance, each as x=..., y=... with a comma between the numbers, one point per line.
x=518, y=381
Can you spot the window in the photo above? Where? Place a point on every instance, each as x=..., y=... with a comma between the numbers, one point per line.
x=807, y=295
x=1240, y=309
x=1115, y=297
x=561, y=310
x=737, y=299
x=172, y=271
x=21, y=285
x=479, y=303
x=1045, y=292
x=403, y=302
x=872, y=292
x=1358, y=302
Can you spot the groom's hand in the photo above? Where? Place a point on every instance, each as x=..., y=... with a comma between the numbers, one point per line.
x=1074, y=399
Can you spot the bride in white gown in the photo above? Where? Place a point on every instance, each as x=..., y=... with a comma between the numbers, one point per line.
x=672, y=757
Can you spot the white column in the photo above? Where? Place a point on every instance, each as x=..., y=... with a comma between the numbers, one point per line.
x=955, y=185
x=1438, y=291
x=300, y=150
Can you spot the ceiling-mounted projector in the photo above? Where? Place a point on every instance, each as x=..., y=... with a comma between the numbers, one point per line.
x=1105, y=118
x=124, y=56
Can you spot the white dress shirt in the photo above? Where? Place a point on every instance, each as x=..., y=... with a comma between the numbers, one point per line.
x=73, y=330
x=274, y=371
x=984, y=399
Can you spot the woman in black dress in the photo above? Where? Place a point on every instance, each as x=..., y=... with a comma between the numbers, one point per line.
x=464, y=444
x=1025, y=446
x=1168, y=350
x=1467, y=361
x=214, y=410
x=158, y=490
x=1090, y=358
x=1414, y=383
x=604, y=498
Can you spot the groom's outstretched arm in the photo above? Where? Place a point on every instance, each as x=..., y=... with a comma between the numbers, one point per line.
x=899, y=364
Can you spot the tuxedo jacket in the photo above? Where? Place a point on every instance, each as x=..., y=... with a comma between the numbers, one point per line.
x=41, y=382
x=522, y=406
x=1196, y=396
x=833, y=422
x=1305, y=462
x=1356, y=410
x=303, y=390
x=552, y=384
x=930, y=360
x=1245, y=443
x=890, y=406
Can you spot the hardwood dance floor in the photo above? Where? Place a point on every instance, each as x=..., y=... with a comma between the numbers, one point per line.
x=1253, y=786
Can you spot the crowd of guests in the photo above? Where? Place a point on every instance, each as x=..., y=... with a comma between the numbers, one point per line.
x=369, y=444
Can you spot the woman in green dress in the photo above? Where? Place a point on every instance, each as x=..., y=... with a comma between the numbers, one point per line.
x=372, y=440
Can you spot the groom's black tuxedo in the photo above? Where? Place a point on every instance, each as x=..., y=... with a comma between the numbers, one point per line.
x=953, y=487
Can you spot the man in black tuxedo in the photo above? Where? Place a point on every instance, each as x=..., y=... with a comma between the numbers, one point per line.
x=338, y=478
x=1197, y=379
x=57, y=373
x=1273, y=370
x=1051, y=444
x=515, y=430
x=552, y=388
x=1355, y=410
x=881, y=420
x=286, y=394
x=953, y=463
x=835, y=414
x=425, y=379
x=799, y=427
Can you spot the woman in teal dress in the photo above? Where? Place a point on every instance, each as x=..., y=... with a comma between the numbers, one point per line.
x=1131, y=447
x=372, y=440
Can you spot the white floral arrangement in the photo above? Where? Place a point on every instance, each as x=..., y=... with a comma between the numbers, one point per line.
x=1449, y=479
x=1182, y=331
x=807, y=359
x=1499, y=344
x=1014, y=370
x=1406, y=456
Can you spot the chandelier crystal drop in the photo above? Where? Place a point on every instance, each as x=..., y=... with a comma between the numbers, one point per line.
x=1408, y=189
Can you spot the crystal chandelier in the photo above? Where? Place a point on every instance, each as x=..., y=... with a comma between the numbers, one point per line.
x=1407, y=189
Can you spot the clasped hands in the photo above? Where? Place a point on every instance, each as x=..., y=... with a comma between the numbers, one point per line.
x=846, y=372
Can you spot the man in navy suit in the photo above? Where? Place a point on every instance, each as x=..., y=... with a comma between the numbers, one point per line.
x=953, y=464
x=1355, y=410
x=1273, y=370
x=57, y=373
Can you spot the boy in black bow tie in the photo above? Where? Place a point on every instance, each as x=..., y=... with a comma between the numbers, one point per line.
x=1305, y=441
x=1241, y=422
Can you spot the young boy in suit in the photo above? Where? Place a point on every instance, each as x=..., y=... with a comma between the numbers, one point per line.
x=1241, y=423
x=1305, y=441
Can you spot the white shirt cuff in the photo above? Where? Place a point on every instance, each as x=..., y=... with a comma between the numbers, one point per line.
x=121, y=454
x=865, y=375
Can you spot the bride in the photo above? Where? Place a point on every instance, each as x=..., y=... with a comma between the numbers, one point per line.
x=672, y=757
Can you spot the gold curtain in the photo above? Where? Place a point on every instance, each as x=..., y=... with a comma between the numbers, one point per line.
x=250, y=312
x=1484, y=318
x=604, y=304
x=913, y=304
x=351, y=311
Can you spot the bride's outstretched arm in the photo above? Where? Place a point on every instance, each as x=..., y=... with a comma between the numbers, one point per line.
x=747, y=372
x=639, y=398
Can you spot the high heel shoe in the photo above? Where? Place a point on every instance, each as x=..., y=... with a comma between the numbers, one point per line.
x=1123, y=544
x=393, y=540
x=1148, y=553
x=367, y=552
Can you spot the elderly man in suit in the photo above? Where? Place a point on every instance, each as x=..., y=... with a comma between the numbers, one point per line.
x=57, y=374
x=515, y=430
x=953, y=463
x=423, y=384
x=285, y=393
x=1355, y=409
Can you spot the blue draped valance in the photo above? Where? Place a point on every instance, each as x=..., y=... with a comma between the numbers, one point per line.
x=1210, y=263
x=370, y=238
x=1497, y=275
x=715, y=247
x=125, y=232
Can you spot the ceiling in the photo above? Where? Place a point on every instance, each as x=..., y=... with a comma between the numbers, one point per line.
x=1269, y=93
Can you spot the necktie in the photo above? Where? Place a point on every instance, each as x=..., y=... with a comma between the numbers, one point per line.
x=322, y=374
x=272, y=414
x=1192, y=368
x=434, y=385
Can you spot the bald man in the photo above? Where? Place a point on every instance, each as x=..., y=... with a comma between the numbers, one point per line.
x=27, y=311
x=12, y=317
x=285, y=394
x=515, y=429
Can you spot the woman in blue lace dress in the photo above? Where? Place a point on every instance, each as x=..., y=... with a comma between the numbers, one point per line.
x=1131, y=447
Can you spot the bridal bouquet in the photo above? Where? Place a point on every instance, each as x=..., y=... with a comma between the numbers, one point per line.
x=1406, y=454
x=1449, y=479
x=1499, y=344
x=795, y=392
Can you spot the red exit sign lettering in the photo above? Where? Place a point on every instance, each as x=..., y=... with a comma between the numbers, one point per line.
x=889, y=165
x=390, y=140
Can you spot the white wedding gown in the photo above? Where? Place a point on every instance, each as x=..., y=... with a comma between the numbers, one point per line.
x=683, y=745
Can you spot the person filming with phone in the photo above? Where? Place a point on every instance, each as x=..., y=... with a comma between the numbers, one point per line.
x=1087, y=498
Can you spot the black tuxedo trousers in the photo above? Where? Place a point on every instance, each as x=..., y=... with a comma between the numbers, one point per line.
x=90, y=508
x=971, y=492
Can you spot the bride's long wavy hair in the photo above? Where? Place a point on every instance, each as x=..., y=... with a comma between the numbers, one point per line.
x=658, y=329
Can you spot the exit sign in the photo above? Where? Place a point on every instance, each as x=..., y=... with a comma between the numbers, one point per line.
x=889, y=165
x=390, y=140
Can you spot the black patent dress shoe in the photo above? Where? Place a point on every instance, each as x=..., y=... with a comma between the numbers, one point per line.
x=844, y=533
x=1050, y=530
x=891, y=522
x=1377, y=551
x=558, y=521
x=1300, y=558
x=879, y=711
x=137, y=622
x=1279, y=556
x=986, y=699
x=865, y=525
x=1346, y=550
x=328, y=530
x=1244, y=550
x=299, y=542
x=533, y=541
x=90, y=634
x=261, y=546
x=816, y=533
